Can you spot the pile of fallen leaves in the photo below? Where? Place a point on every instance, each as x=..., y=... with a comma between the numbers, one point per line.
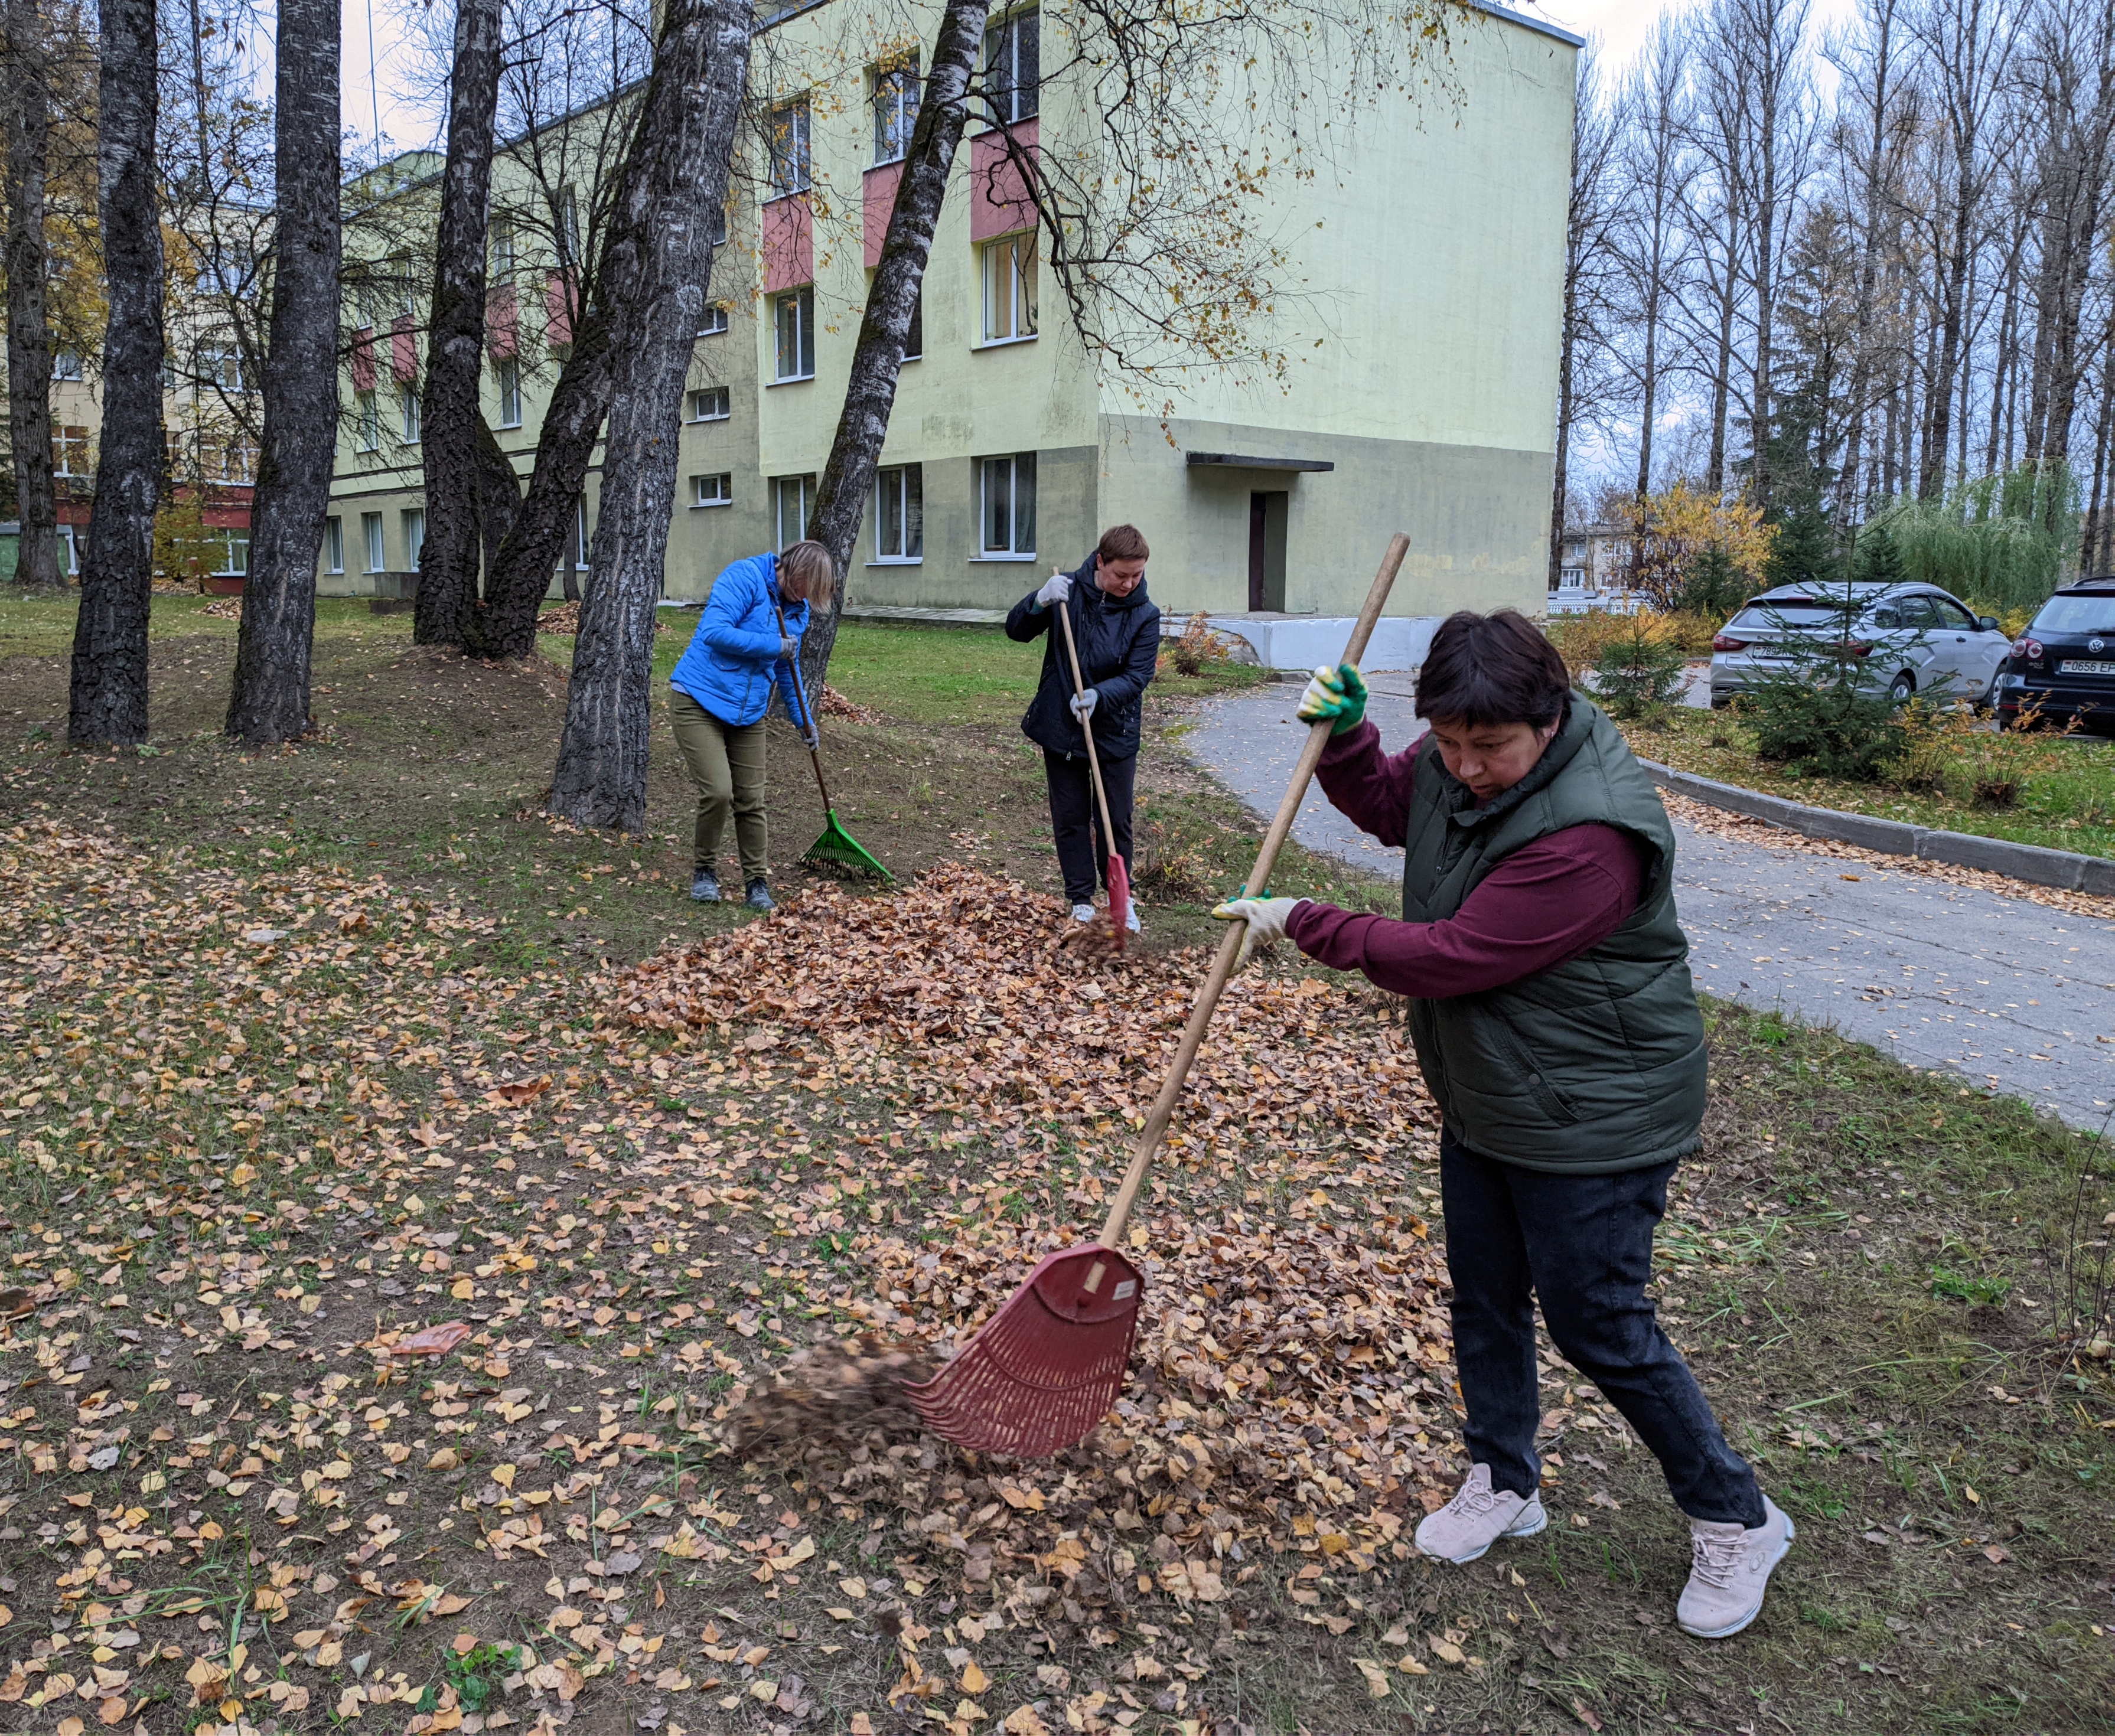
x=1290, y=1390
x=565, y=621
x=835, y=705
x=225, y=608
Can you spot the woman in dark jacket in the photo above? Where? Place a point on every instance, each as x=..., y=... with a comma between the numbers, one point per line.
x=1117, y=630
x=1557, y=1030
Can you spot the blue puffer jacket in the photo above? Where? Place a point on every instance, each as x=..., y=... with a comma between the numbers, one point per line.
x=733, y=657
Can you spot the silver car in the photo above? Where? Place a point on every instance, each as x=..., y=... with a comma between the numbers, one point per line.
x=1908, y=639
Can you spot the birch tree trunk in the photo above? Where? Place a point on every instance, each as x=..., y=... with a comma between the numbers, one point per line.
x=28, y=126
x=847, y=480
x=108, y=701
x=447, y=597
x=269, y=701
x=692, y=103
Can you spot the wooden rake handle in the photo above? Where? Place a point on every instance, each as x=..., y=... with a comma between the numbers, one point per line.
x=1087, y=729
x=1222, y=966
x=807, y=716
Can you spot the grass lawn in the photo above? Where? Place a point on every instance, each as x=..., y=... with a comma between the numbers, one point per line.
x=314, y=1045
x=2065, y=783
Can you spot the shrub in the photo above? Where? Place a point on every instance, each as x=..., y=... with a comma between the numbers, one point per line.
x=1714, y=586
x=1201, y=647
x=2004, y=541
x=1639, y=673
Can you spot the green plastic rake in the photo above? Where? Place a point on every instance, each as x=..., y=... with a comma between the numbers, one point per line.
x=837, y=848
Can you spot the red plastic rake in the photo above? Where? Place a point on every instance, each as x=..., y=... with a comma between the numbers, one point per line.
x=1117, y=873
x=1043, y=1369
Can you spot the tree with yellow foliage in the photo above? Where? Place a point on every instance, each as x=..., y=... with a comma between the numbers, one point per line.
x=1671, y=530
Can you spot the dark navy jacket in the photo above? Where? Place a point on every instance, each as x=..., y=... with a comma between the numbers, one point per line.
x=1119, y=640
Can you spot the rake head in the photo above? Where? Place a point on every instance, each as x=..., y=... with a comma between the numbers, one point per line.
x=839, y=849
x=1119, y=878
x=1045, y=1369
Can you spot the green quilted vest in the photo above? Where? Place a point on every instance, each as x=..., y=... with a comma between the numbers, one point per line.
x=1596, y=1065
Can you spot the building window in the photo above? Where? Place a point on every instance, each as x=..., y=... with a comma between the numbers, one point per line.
x=714, y=321
x=792, y=500
x=1009, y=275
x=709, y=404
x=712, y=490
x=238, y=460
x=579, y=539
x=914, y=340
x=1012, y=72
x=789, y=148
x=794, y=316
x=370, y=535
x=415, y=538
x=720, y=227
x=66, y=364
x=509, y=372
x=407, y=408
x=1008, y=513
x=234, y=555
x=502, y=247
x=333, y=545
x=69, y=451
x=894, y=109
x=367, y=422
x=899, y=516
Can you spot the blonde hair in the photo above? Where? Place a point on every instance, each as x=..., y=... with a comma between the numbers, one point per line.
x=806, y=570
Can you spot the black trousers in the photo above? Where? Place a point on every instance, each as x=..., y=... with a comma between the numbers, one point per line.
x=1582, y=1245
x=1082, y=851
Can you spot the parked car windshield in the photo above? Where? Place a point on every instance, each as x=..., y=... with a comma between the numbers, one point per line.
x=2076, y=614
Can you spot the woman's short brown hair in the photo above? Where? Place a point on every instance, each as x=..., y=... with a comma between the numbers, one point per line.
x=806, y=571
x=1123, y=542
x=1492, y=669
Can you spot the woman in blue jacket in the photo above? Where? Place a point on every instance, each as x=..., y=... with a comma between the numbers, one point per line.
x=719, y=692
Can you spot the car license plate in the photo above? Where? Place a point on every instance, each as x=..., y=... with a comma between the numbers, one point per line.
x=2079, y=665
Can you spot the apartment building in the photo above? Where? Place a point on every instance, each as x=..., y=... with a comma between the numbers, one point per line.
x=1419, y=393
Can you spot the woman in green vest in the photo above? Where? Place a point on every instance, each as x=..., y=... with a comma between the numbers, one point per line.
x=1557, y=1030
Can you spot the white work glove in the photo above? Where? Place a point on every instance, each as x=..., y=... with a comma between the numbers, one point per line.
x=1083, y=705
x=1266, y=918
x=1055, y=589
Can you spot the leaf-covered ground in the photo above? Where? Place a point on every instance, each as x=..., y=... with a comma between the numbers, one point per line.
x=280, y=1103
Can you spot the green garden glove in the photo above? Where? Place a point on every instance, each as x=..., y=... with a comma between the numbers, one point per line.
x=1338, y=694
x=1266, y=918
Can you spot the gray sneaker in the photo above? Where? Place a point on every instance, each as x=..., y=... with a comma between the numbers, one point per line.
x=705, y=886
x=1465, y=1529
x=760, y=896
x=1729, y=1571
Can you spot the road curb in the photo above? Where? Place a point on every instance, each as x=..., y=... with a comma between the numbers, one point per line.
x=2062, y=869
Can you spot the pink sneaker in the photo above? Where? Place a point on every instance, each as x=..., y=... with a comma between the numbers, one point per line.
x=1730, y=1570
x=1465, y=1529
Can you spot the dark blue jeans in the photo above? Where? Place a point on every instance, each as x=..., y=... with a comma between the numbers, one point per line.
x=1582, y=1244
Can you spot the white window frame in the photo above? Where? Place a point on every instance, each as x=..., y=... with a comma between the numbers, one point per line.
x=799, y=491
x=68, y=439
x=503, y=259
x=715, y=490
x=802, y=301
x=415, y=537
x=579, y=538
x=1005, y=271
x=507, y=373
x=899, y=493
x=1008, y=470
x=714, y=321
x=790, y=141
x=1011, y=98
x=67, y=364
x=374, y=550
x=333, y=544
x=235, y=556
x=892, y=93
x=710, y=404
x=407, y=411
x=366, y=422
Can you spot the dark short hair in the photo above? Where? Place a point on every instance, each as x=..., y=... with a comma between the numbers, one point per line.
x=1492, y=669
x=1123, y=542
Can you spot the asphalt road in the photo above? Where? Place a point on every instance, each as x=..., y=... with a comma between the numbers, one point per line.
x=2002, y=992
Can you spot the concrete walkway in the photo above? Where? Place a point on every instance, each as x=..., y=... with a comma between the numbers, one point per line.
x=2001, y=992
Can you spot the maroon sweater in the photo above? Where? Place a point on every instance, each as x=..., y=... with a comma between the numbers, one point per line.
x=1548, y=902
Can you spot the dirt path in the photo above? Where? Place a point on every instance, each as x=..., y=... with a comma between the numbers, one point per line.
x=2005, y=993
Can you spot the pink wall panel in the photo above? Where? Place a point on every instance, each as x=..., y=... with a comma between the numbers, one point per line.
x=557, y=310
x=500, y=335
x=789, y=244
x=363, y=359
x=404, y=351
x=998, y=199
x=881, y=183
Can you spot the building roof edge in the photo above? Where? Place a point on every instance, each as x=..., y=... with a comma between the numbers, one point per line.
x=1540, y=26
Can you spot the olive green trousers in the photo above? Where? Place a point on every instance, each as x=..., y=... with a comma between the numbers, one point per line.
x=727, y=762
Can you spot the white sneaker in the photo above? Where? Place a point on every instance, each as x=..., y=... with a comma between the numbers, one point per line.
x=1130, y=919
x=1083, y=912
x=1729, y=1571
x=1465, y=1529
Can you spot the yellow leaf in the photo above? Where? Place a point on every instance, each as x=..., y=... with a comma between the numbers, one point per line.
x=1410, y=1666
x=1377, y=1679
x=973, y=1680
x=504, y=1475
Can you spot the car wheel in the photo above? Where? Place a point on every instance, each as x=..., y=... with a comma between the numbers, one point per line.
x=1902, y=689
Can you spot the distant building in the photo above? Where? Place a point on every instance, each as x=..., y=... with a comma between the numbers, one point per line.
x=1435, y=245
x=1593, y=562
